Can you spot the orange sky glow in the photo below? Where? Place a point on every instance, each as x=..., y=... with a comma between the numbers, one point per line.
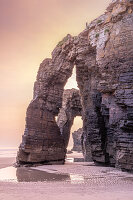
x=29, y=31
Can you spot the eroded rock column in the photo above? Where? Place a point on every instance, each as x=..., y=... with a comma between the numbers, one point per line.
x=42, y=141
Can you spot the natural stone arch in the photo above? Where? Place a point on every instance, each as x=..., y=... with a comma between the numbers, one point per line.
x=42, y=140
x=103, y=56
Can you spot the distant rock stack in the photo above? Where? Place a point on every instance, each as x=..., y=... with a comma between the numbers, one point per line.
x=103, y=55
x=77, y=144
x=71, y=107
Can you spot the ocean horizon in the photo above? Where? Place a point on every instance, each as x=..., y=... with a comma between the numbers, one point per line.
x=8, y=151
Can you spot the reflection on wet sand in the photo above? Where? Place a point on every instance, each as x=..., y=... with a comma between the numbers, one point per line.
x=30, y=175
x=8, y=174
x=72, y=172
x=23, y=174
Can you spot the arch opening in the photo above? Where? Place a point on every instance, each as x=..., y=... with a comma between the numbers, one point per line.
x=46, y=136
x=75, y=135
x=71, y=82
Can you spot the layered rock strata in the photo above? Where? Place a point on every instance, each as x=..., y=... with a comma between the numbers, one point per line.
x=107, y=91
x=103, y=55
x=42, y=140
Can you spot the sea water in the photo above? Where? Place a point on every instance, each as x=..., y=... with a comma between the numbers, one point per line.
x=8, y=152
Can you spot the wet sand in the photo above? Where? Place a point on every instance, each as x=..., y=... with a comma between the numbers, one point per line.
x=72, y=181
x=6, y=162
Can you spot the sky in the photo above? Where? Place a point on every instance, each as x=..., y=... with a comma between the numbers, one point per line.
x=29, y=31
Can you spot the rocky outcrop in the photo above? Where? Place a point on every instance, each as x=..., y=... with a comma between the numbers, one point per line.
x=106, y=87
x=71, y=107
x=42, y=140
x=103, y=55
x=77, y=138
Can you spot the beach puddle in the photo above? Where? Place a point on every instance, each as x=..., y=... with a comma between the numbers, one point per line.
x=22, y=174
x=12, y=174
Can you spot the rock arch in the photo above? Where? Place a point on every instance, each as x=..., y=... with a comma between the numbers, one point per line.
x=103, y=56
x=42, y=140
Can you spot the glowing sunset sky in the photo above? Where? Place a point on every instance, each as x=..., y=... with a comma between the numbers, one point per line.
x=29, y=30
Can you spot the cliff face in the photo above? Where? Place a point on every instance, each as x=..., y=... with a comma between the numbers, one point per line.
x=103, y=55
x=107, y=92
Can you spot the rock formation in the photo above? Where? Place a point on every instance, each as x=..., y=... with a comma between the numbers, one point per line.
x=103, y=55
x=77, y=138
x=42, y=140
x=106, y=91
x=71, y=107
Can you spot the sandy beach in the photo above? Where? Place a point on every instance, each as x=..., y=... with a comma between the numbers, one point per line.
x=73, y=181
